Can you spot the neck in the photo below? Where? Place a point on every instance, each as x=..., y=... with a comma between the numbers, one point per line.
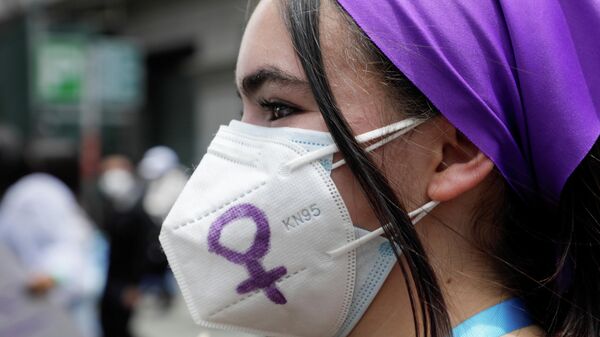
x=390, y=312
x=468, y=283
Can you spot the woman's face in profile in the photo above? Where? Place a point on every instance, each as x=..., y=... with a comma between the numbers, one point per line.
x=275, y=93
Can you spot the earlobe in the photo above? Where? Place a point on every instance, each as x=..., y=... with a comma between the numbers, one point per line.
x=459, y=177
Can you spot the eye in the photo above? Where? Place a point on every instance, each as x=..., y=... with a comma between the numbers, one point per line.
x=278, y=109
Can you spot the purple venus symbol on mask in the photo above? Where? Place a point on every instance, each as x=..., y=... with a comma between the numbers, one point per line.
x=251, y=259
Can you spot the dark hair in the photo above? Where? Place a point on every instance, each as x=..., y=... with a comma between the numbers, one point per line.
x=552, y=255
x=548, y=256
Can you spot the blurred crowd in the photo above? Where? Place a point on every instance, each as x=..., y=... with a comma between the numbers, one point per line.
x=95, y=266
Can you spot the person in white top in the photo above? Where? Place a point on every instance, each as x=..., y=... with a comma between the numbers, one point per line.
x=43, y=225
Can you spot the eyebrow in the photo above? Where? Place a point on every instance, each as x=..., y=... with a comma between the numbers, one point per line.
x=253, y=82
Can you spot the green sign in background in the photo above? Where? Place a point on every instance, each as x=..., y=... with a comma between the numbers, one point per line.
x=60, y=70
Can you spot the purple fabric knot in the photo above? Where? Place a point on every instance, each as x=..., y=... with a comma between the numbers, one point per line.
x=521, y=79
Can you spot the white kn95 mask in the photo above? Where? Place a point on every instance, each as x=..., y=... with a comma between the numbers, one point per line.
x=260, y=240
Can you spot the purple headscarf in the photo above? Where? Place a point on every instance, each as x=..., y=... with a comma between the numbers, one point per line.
x=521, y=79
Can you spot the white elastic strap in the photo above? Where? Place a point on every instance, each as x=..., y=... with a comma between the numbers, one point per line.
x=395, y=130
x=311, y=156
x=415, y=215
x=408, y=123
x=381, y=143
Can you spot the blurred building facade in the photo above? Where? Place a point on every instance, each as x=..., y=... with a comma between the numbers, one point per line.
x=181, y=74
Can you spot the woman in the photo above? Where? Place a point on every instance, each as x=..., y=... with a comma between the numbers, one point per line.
x=479, y=118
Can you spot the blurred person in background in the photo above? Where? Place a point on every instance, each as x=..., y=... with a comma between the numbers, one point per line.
x=125, y=229
x=42, y=223
x=163, y=179
x=134, y=209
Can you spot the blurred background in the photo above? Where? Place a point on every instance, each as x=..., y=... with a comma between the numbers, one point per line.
x=105, y=108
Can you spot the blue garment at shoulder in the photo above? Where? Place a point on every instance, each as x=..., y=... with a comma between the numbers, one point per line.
x=499, y=320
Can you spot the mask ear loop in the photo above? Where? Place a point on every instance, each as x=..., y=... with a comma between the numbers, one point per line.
x=392, y=131
x=416, y=216
x=383, y=141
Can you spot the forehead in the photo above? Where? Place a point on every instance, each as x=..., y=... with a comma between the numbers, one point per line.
x=267, y=43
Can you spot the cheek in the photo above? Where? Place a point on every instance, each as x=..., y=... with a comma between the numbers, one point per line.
x=403, y=164
x=354, y=198
x=398, y=162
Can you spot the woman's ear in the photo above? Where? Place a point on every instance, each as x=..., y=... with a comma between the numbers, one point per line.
x=463, y=166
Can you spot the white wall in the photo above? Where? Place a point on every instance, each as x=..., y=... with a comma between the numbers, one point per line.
x=215, y=27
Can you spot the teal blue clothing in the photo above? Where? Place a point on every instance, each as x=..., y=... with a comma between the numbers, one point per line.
x=499, y=320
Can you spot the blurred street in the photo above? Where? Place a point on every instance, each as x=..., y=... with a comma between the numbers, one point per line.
x=106, y=107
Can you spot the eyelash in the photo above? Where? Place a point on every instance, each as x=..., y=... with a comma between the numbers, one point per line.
x=276, y=108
